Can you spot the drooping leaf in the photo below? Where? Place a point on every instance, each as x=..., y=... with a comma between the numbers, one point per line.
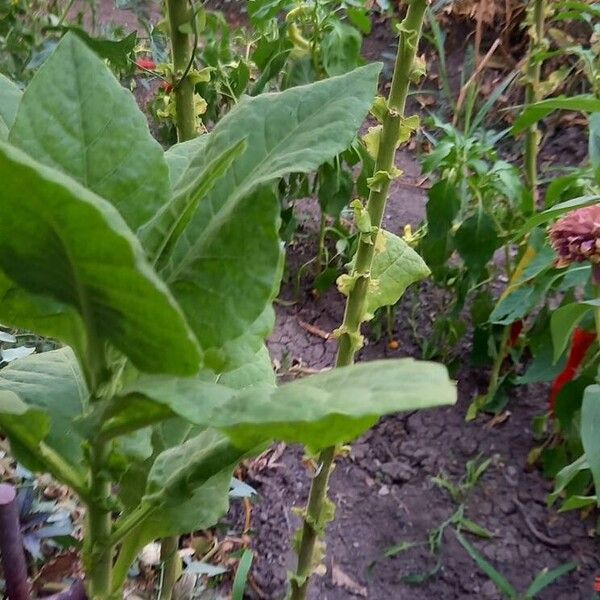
x=318, y=411
x=476, y=241
x=590, y=430
x=341, y=49
x=293, y=131
x=60, y=240
x=10, y=96
x=118, y=52
x=547, y=577
x=42, y=314
x=535, y=112
x=52, y=382
x=395, y=266
x=25, y=427
x=76, y=117
x=442, y=208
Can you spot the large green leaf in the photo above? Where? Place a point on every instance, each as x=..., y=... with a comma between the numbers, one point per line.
x=10, y=96
x=590, y=430
x=179, y=157
x=60, y=240
x=52, y=382
x=25, y=426
x=395, y=266
x=161, y=233
x=318, y=411
x=536, y=112
x=77, y=118
x=442, y=208
x=42, y=314
x=293, y=131
x=476, y=240
x=257, y=370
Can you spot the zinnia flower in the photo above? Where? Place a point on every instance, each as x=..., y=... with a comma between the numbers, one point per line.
x=576, y=237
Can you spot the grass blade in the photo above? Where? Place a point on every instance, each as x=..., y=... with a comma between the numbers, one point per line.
x=499, y=580
x=545, y=578
x=241, y=575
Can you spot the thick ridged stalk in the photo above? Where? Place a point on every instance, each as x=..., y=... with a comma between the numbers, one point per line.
x=98, y=551
x=534, y=70
x=355, y=305
x=179, y=14
x=170, y=566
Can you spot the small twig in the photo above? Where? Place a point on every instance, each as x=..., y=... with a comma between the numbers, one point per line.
x=465, y=88
x=556, y=543
x=314, y=330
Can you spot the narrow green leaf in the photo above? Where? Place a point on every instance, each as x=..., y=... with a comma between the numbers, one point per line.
x=395, y=266
x=292, y=131
x=566, y=475
x=58, y=239
x=556, y=211
x=241, y=575
x=10, y=96
x=590, y=430
x=537, y=111
x=546, y=578
x=594, y=140
x=578, y=502
x=51, y=382
x=562, y=324
x=499, y=580
x=76, y=117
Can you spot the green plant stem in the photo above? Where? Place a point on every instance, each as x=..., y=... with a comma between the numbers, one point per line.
x=534, y=70
x=355, y=304
x=99, y=551
x=170, y=566
x=179, y=14
x=321, y=247
x=495, y=376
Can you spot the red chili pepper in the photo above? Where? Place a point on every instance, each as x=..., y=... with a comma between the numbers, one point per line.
x=168, y=87
x=515, y=332
x=580, y=344
x=146, y=63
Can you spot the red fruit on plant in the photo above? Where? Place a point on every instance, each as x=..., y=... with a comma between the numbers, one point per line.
x=515, y=332
x=146, y=64
x=580, y=343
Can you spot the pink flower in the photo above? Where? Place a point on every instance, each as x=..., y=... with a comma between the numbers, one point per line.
x=146, y=64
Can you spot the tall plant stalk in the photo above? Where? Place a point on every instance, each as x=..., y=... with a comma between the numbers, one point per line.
x=349, y=340
x=180, y=15
x=170, y=563
x=532, y=87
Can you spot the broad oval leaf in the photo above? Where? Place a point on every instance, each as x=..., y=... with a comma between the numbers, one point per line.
x=292, y=131
x=395, y=266
x=76, y=117
x=60, y=240
x=317, y=411
x=10, y=96
x=53, y=383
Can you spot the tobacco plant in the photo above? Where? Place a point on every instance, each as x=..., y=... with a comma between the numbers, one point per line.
x=366, y=287
x=156, y=270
